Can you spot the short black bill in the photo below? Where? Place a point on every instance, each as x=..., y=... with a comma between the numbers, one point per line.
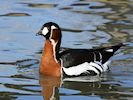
x=39, y=33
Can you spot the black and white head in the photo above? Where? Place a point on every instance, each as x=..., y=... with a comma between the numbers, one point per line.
x=50, y=31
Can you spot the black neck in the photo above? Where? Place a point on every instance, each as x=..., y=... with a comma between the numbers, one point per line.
x=57, y=47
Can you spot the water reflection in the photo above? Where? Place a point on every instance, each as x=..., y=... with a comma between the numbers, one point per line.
x=50, y=87
x=53, y=88
x=16, y=14
x=40, y=5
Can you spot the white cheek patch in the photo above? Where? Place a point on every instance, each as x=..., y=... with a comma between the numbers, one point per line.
x=45, y=31
x=53, y=27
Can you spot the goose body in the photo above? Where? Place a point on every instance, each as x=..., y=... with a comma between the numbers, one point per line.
x=72, y=62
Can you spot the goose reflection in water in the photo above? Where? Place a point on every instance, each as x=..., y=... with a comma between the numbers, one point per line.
x=50, y=87
x=92, y=85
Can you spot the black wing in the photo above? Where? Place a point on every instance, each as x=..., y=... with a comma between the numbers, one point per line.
x=73, y=57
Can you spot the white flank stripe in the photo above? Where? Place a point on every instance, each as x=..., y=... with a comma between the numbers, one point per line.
x=79, y=69
x=109, y=50
x=106, y=65
x=97, y=66
x=94, y=56
x=100, y=57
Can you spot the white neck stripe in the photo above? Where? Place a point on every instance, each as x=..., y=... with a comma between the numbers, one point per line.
x=54, y=46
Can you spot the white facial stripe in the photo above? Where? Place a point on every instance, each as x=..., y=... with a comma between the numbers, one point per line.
x=45, y=31
x=53, y=27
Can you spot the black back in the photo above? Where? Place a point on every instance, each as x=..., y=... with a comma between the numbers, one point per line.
x=73, y=57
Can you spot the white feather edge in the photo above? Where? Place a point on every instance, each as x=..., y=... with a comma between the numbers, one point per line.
x=82, y=68
x=109, y=50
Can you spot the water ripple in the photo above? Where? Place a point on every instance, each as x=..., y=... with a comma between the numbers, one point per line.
x=84, y=24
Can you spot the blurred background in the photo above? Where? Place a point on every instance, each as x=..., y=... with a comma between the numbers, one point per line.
x=85, y=24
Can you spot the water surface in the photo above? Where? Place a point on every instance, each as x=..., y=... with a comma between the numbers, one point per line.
x=85, y=24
